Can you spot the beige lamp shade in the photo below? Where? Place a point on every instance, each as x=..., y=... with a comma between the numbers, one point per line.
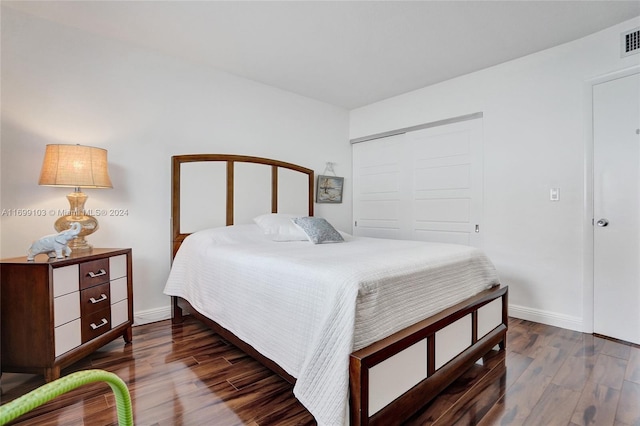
x=76, y=166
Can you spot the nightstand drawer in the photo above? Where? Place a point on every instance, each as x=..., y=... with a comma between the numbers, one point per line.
x=94, y=272
x=95, y=324
x=119, y=313
x=65, y=280
x=66, y=308
x=118, y=289
x=118, y=266
x=67, y=337
x=95, y=299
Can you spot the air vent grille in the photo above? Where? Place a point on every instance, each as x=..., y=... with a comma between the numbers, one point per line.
x=630, y=42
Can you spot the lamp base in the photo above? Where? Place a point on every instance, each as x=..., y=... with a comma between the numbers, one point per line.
x=89, y=226
x=89, y=223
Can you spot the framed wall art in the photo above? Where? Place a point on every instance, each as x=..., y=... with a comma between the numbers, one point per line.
x=329, y=189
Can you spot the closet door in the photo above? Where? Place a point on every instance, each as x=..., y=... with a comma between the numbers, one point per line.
x=446, y=190
x=422, y=185
x=379, y=188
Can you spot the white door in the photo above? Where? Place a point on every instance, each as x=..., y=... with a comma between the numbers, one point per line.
x=378, y=184
x=616, y=199
x=421, y=185
x=446, y=192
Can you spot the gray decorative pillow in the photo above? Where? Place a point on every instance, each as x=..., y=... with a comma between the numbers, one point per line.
x=318, y=230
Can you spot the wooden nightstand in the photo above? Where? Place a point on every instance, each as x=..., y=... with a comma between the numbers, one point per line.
x=57, y=311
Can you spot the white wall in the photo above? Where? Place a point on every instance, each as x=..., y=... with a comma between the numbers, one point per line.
x=535, y=134
x=62, y=85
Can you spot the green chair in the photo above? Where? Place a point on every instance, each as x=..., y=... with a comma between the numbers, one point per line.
x=47, y=392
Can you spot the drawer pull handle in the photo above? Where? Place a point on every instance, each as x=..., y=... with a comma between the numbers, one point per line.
x=100, y=273
x=95, y=327
x=102, y=297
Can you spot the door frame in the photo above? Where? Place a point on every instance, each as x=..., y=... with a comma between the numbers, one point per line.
x=588, y=228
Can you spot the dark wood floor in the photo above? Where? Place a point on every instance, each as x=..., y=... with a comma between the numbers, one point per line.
x=186, y=375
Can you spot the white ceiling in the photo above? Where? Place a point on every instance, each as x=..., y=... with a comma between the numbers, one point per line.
x=345, y=53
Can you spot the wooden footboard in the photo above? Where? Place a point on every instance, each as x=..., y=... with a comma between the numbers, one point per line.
x=393, y=378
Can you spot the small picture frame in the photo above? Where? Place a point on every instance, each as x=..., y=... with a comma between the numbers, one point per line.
x=329, y=189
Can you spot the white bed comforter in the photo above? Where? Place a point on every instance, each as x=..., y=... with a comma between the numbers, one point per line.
x=307, y=307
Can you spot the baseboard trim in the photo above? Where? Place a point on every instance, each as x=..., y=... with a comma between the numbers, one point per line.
x=152, y=315
x=545, y=317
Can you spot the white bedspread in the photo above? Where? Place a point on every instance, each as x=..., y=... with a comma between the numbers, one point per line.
x=307, y=307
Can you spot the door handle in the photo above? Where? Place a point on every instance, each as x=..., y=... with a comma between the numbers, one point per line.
x=602, y=222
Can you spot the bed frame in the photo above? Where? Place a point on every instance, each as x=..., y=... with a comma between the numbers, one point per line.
x=390, y=379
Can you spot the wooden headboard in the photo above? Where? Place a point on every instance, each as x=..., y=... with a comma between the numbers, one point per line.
x=176, y=161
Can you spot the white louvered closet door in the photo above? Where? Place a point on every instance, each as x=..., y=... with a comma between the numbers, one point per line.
x=421, y=185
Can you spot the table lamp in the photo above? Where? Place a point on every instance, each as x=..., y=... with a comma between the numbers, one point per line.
x=76, y=166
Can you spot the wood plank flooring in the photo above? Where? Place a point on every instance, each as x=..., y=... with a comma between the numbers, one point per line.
x=186, y=375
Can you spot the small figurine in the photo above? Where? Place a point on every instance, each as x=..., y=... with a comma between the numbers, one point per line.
x=55, y=244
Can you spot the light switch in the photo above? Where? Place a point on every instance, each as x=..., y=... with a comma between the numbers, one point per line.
x=554, y=194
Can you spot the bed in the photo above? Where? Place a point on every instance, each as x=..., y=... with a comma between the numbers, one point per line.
x=367, y=330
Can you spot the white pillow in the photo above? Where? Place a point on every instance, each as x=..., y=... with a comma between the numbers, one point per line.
x=279, y=227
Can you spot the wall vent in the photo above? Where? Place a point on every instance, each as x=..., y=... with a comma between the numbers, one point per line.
x=630, y=42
